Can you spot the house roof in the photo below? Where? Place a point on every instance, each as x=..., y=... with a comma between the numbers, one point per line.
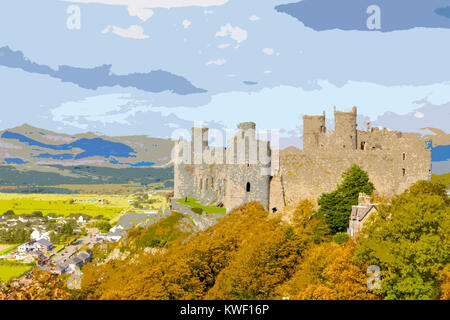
x=360, y=212
x=84, y=255
x=44, y=242
x=75, y=260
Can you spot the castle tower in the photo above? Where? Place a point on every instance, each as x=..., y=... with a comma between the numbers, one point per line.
x=345, y=129
x=248, y=177
x=199, y=144
x=313, y=128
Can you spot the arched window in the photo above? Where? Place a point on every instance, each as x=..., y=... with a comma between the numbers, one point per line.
x=363, y=145
x=248, y=187
x=404, y=171
x=404, y=156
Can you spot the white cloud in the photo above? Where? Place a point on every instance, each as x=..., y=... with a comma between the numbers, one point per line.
x=186, y=23
x=419, y=115
x=268, y=51
x=217, y=62
x=140, y=8
x=142, y=13
x=254, y=18
x=236, y=33
x=208, y=12
x=133, y=32
x=268, y=72
x=223, y=45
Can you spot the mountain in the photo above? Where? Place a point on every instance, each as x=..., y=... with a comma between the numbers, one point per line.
x=31, y=146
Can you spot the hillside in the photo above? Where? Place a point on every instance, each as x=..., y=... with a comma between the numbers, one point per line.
x=38, y=147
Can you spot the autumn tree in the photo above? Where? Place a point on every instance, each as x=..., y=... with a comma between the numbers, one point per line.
x=328, y=272
x=409, y=241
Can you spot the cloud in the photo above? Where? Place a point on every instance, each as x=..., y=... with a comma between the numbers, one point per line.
x=223, y=45
x=419, y=115
x=101, y=76
x=186, y=23
x=254, y=18
x=437, y=116
x=352, y=14
x=133, y=32
x=141, y=8
x=268, y=51
x=373, y=100
x=235, y=33
x=141, y=13
x=217, y=62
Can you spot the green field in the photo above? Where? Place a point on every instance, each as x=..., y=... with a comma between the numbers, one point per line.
x=7, y=248
x=9, y=270
x=194, y=203
x=108, y=206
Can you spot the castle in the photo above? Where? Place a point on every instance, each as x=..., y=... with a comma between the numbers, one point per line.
x=247, y=169
x=237, y=174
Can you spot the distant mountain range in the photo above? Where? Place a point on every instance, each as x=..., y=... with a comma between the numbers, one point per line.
x=38, y=147
x=33, y=149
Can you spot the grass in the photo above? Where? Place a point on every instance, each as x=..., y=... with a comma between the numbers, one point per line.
x=194, y=203
x=61, y=204
x=9, y=249
x=159, y=234
x=9, y=270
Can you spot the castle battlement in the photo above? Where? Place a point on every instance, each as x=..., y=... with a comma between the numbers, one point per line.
x=241, y=172
x=237, y=174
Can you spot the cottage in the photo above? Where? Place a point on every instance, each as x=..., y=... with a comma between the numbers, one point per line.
x=26, y=247
x=43, y=245
x=360, y=213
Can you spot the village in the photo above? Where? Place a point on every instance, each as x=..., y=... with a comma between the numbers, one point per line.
x=60, y=244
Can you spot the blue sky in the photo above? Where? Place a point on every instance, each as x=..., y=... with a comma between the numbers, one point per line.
x=221, y=62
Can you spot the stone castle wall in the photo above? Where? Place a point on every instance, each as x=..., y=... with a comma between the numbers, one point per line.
x=234, y=175
x=394, y=160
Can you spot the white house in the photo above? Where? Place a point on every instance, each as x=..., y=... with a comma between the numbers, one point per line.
x=26, y=247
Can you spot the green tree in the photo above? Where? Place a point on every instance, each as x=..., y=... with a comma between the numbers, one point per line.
x=103, y=226
x=9, y=213
x=336, y=206
x=37, y=214
x=409, y=241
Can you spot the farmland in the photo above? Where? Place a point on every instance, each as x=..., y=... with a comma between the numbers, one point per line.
x=109, y=206
x=9, y=270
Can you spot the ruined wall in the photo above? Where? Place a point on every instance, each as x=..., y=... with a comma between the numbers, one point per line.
x=394, y=160
x=234, y=175
x=309, y=174
x=313, y=129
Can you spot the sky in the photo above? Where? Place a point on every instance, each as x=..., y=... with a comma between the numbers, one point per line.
x=149, y=67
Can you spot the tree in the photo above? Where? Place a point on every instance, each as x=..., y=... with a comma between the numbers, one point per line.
x=410, y=241
x=336, y=206
x=103, y=226
x=9, y=213
x=37, y=214
x=328, y=271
